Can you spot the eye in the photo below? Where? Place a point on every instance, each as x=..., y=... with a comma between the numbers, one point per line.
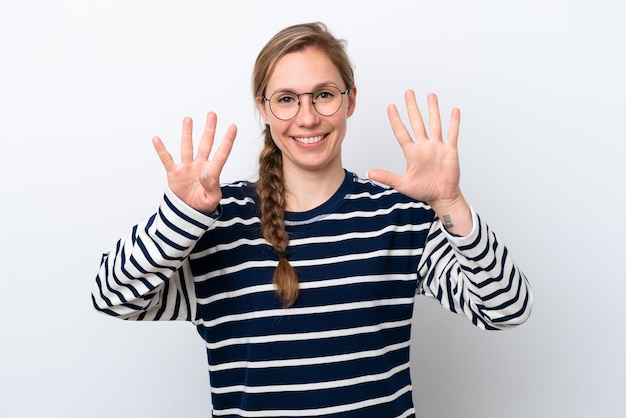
x=284, y=98
x=325, y=95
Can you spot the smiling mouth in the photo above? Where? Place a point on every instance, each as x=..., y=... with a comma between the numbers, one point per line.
x=309, y=140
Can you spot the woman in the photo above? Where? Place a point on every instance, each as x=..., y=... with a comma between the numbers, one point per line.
x=302, y=284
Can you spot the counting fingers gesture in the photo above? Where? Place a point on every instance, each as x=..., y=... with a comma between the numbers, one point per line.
x=432, y=164
x=196, y=180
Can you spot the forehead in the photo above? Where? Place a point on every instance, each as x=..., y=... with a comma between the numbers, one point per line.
x=304, y=70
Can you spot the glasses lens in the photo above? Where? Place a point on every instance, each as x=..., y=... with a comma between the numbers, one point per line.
x=327, y=100
x=284, y=104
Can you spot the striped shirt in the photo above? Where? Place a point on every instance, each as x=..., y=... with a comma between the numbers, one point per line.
x=342, y=350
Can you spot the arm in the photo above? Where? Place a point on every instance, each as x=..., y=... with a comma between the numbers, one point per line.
x=463, y=264
x=474, y=276
x=147, y=275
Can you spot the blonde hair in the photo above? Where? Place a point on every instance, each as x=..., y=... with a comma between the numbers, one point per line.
x=270, y=186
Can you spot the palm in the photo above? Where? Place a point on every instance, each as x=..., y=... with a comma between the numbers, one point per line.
x=196, y=180
x=432, y=165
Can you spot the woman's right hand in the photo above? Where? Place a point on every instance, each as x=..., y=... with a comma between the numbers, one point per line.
x=196, y=180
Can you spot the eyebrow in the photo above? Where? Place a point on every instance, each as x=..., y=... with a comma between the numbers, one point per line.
x=316, y=87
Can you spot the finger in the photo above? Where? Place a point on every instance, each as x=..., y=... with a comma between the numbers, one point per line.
x=164, y=155
x=223, y=151
x=434, y=119
x=453, y=130
x=415, y=116
x=383, y=176
x=186, y=144
x=208, y=136
x=397, y=126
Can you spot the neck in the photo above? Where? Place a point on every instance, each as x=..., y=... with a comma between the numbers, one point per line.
x=306, y=190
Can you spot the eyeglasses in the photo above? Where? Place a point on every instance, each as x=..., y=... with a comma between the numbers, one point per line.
x=326, y=101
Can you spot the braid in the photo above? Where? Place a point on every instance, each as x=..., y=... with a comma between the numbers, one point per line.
x=271, y=190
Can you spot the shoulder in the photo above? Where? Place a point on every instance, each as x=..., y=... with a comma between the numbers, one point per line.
x=377, y=201
x=239, y=199
x=366, y=189
x=238, y=189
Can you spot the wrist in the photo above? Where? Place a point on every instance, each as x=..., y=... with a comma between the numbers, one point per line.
x=455, y=215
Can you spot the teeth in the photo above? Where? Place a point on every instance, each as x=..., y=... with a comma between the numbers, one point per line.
x=310, y=140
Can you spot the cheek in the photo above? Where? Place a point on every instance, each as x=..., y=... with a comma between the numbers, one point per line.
x=277, y=132
x=341, y=122
x=279, y=127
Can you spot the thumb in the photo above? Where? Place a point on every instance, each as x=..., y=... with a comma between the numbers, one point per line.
x=382, y=176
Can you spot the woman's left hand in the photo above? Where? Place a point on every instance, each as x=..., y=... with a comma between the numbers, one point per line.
x=432, y=165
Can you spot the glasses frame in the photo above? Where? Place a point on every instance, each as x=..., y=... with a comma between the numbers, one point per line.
x=341, y=94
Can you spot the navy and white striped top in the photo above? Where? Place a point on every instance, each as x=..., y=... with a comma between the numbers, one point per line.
x=343, y=349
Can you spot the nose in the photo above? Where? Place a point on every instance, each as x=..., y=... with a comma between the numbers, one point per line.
x=307, y=115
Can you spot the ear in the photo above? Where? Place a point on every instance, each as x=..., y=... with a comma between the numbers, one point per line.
x=351, y=101
x=260, y=104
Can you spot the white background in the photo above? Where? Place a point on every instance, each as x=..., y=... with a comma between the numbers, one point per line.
x=84, y=85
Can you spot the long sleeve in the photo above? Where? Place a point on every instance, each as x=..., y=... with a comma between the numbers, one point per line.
x=475, y=276
x=146, y=275
x=347, y=339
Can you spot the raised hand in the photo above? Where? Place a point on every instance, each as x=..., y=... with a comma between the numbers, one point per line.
x=196, y=180
x=432, y=165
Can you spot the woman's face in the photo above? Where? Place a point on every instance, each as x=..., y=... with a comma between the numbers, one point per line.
x=308, y=141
